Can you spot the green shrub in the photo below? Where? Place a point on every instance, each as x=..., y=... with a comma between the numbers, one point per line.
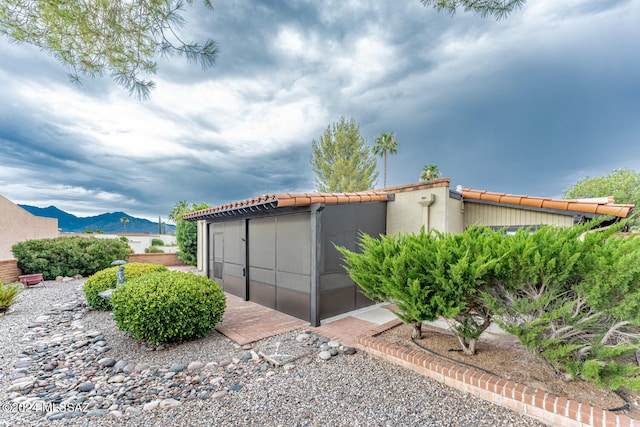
x=574, y=300
x=187, y=237
x=106, y=279
x=153, y=250
x=68, y=256
x=168, y=306
x=429, y=275
x=157, y=242
x=8, y=295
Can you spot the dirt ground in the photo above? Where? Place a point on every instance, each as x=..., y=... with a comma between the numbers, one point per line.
x=507, y=358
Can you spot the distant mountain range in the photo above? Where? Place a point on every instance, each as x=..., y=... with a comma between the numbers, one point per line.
x=106, y=222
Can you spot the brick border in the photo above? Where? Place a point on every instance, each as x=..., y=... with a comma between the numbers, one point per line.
x=527, y=400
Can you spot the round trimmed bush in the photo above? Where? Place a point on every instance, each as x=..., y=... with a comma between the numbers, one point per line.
x=106, y=279
x=168, y=306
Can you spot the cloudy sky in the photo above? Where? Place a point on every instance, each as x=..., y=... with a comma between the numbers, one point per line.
x=525, y=105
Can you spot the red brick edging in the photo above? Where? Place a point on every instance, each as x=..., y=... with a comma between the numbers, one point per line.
x=526, y=400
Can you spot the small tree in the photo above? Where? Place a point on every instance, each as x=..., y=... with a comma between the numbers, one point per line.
x=385, y=143
x=341, y=160
x=429, y=172
x=186, y=231
x=622, y=184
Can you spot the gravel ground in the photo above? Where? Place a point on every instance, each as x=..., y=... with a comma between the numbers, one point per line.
x=357, y=390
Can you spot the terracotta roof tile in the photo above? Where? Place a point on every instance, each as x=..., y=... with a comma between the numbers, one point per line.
x=602, y=205
x=291, y=199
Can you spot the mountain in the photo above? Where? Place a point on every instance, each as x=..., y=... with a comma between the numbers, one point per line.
x=106, y=222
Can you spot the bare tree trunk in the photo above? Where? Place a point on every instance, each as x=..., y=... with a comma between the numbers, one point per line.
x=416, y=332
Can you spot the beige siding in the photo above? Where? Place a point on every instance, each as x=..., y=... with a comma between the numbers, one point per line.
x=18, y=225
x=500, y=216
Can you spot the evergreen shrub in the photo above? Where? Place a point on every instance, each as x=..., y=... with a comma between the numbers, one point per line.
x=428, y=275
x=68, y=256
x=106, y=279
x=168, y=306
x=573, y=298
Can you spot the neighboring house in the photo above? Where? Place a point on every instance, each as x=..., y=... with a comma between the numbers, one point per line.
x=138, y=242
x=18, y=225
x=278, y=250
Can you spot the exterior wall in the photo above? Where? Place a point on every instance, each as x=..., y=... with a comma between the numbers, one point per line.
x=202, y=246
x=137, y=242
x=455, y=216
x=18, y=225
x=423, y=204
x=168, y=259
x=9, y=271
x=500, y=216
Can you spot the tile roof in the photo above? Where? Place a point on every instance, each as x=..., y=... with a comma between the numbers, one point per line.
x=602, y=205
x=288, y=199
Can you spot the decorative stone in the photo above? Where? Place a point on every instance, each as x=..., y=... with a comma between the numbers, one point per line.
x=24, y=363
x=219, y=394
x=289, y=366
x=106, y=362
x=169, y=403
x=151, y=405
x=324, y=355
x=86, y=386
x=117, y=379
x=80, y=344
x=132, y=411
x=349, y=350
x=98, y=413
x=333, y=344
x=141, y=367
x=302, y=337
x=194, y=366
x=177, y=367
x=119, y=366
x=333, y=351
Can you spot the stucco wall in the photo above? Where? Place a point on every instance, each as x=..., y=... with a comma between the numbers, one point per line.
x=18, y=225
x=423, y=204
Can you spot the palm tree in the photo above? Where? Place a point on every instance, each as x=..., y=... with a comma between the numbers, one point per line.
x=386, y=143
x=124, y=221
x=178, y=209
x=429, y=172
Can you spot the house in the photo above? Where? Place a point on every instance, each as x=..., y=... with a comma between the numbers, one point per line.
x=18, y=225
x=278, y=249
